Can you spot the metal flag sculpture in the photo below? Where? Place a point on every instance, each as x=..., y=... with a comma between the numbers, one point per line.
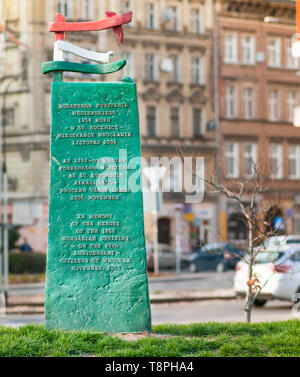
x=96, y=275
x=60, y=27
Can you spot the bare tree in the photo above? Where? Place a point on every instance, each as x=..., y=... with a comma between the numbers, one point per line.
x=247, y=194
x=259, y=226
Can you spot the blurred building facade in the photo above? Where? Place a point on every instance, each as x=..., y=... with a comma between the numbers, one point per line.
x=169, y=52
x=259, y=89
x=171, y=55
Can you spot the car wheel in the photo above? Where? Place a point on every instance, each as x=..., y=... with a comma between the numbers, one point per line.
x=193, y=268
x=260, y=303
x=220, y=267
x=296, y=297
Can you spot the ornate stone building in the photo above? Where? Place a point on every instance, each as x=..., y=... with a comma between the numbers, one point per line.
x=259, y=89
x=169, y=53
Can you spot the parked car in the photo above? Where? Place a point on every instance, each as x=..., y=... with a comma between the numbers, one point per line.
x=166, y=257
x=277, y=242
x=215, y=256
x=278, y=272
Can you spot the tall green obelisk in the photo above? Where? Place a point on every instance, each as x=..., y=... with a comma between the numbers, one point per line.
x=96, y=261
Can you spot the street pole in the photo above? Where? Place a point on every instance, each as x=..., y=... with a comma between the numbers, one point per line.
x=178, y=243
x=3, y=168
x=5, y=196
x=220, y=204
x=5, y=238
x=1, y=222
x=4, y=245
x=1, y=196
x=154, y=174
x=155, y=232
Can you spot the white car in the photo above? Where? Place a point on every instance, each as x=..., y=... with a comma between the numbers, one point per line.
x=278, y=273
x=277, y=242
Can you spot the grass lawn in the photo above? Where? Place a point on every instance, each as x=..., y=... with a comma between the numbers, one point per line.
x=207, y=339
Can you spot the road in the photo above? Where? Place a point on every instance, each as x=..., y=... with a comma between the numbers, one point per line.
x=204, y=281
x=218, y=311
x=187, y=312
x=203, y=311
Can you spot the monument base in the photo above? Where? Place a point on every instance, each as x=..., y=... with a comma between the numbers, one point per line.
x=96, y=276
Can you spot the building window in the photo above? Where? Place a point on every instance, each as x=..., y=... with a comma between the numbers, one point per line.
x=231, y=160
x=175, y=75
x=86, y=74
x=294, y=161
x=9, y=117
x=197, y=71
x=297, y=220
x=175, y=122
x=230, y=102
x=275, y=151
x=64, y=7
x=127, y=5
x=128, y=70
x=87, y=9
x=291, y=63
x=274, y=105
x=150, y=16
x=249, y=159
x=197, y=122
x=68, y=57
x=174, y=21
x=230, y=48
x=151, y=121
x=274, y=52
x=248, y=49
x=291, y=104
x=248, y=99
x=151, y=67
x=197, y=21
x=2, y=50
x=172, y=181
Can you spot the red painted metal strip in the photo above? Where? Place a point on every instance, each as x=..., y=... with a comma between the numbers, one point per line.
x=108, y=23
x=117, y=29
x=60, y=36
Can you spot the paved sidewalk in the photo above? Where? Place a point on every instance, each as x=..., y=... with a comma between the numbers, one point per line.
x=35, y=304
x=176, y=296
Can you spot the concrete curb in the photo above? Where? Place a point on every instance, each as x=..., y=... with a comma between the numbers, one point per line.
x=185, y=276
x=172, y=277
x=163, y=300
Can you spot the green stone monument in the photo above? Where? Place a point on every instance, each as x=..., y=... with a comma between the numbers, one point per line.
x=96, y=260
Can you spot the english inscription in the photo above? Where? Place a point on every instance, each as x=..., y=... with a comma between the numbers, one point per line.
x=96, y=267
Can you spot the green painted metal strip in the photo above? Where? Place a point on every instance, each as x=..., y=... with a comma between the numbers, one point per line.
x=53, y=66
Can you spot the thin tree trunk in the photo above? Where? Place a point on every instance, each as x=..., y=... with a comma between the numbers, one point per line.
x=249, y=297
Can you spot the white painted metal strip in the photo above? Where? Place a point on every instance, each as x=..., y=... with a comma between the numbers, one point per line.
x=98, y=57
x=58, y=55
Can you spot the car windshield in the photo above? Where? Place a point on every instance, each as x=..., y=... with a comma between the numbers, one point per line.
x=277, y=241
x=268, y=256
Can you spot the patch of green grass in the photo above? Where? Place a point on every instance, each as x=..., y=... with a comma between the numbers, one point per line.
x=206, y=339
